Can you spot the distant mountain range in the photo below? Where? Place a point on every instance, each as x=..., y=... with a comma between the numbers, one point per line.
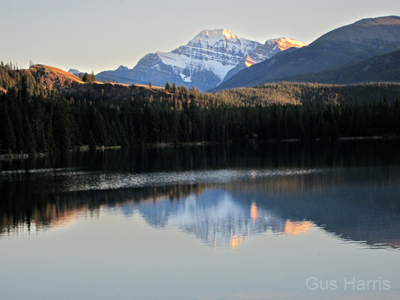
x=209, y=59
x=365, y=51
x=382, y=68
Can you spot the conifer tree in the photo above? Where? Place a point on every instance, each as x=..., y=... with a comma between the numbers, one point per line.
x=8, y=136
x=61, y=127
x=89, y=77
x=167, y=86
x=30, y=142
x=92, y=141
x=173, y=88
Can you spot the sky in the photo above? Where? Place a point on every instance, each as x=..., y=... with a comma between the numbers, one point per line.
x=97, y=35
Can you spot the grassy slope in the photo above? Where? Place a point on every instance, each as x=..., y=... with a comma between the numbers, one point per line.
x=53, y=72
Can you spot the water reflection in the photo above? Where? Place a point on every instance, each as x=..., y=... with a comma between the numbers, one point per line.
x=297, y=228
x=218, y=157
x=72, y=181
x=362, y=208
x=224, y=197
x=215, y=218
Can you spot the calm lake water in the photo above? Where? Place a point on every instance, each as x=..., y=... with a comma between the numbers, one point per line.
x=273, y=221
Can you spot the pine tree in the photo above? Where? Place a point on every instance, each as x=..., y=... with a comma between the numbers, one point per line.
x=89, y=77
x=16, y=120
x=61, y=127
x=167, y=86
x=173, y=88
x=92, y=141
x=30, y=142
x=8, y=136
x=93, y=77
x=85, y=77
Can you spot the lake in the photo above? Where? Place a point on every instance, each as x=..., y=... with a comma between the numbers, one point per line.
x=269, y=221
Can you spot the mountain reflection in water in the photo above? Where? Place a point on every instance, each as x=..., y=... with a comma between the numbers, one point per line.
x=227, y=214
x=215, y=218
x=223, y=197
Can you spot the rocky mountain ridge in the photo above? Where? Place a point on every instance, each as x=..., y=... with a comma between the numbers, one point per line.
x=204, y=62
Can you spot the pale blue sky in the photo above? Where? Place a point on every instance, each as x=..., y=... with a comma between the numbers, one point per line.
x=103, y=34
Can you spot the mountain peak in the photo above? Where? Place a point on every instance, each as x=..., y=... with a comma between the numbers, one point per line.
x=122, y=68
x=215, y=36
x=285, y=43
x=227, y=34
x=204, y=61
x=74, y=71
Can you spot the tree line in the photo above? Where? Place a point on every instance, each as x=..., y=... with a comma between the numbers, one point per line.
x=50, y=122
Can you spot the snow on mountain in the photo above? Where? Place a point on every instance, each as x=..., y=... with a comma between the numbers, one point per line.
x=214, y=217
x=205, y=61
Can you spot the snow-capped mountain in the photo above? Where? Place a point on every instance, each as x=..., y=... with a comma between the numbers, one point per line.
x=204, y=62
x=215, y=217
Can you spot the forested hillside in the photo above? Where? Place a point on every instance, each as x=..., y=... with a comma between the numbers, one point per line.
x=36, y=118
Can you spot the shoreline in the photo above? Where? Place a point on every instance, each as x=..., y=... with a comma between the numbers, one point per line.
x=85, y=148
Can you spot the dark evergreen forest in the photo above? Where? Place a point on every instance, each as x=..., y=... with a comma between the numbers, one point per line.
x=36, y=119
